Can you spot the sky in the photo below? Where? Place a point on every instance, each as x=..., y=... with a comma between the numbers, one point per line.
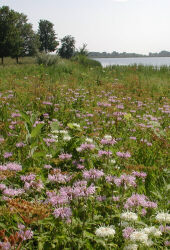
x=139, y=26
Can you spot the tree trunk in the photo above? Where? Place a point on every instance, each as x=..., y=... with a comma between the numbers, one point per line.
x=17, y=59
x=2, y=60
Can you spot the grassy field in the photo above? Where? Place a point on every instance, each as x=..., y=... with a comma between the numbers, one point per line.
x=84, y=156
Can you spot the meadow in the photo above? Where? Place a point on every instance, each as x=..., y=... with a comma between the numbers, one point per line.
x=84, y=160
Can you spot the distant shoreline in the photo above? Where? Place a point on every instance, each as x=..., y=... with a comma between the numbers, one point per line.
x=93, y=57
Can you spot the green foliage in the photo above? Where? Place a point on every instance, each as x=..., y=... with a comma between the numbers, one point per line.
x=67, y=49
x=46, y=59
x=55, y=110
x=17, y=39
x=85, y=61
x=47, y=36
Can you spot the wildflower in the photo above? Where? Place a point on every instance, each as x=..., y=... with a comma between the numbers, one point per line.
x=5, y=245
x=127, y=232
x=126, y=180
x=108, y=140
x=123, y=155
x=167, y=243
x=131, y=247
x=29, y=177
x=105, y=232
x=47, y=166
x=7, y=155
x=86, y=146
x=93, y=174
x=139, y=200
x=139, y=236
x=163, y=217
x=13, y=192
x=20, y=145
x=67, y=138
x=65, y=156
x=104, y=153
x=63, y=212
x=89, y=140
x=13, y=166
x=129, y=216
x=152, y=231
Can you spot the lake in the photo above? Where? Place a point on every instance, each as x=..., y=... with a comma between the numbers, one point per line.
x=154, y=61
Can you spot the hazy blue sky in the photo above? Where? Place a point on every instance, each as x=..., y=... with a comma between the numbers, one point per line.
x=105, y=25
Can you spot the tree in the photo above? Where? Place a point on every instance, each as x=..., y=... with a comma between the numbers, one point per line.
x=67, y=49
x=16, y=35
x=25, y=41
x=7, y=18
x=47, y=36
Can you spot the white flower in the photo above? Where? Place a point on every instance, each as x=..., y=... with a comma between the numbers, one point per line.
x=55, y=137
x=76, y=125
x=153, y=231
x=149, y=243
x=139, y=236
x=163, y=217
x=65, y=132
x=67, y=138
x=79, y=149
x=105, y=232
x=55, y=131
x=129, y=216
x=89, y=140
x=113, y=161
x=108, y=137
x=131, y=247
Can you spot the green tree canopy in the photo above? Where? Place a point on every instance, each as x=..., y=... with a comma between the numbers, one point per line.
x=17, y=37
x=25, y=41
x=47, y=36
x=7, y=18
x=67, y=49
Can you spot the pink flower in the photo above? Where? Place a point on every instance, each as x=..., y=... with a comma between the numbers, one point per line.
x=93, y=174
x=63, y=212
x=65, y=156
x=127, y=232
x=123, y=155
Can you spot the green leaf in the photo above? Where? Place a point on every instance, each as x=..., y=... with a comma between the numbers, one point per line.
x=55, y=126
x=38, y=155
x=37, y=130
x=25, y=117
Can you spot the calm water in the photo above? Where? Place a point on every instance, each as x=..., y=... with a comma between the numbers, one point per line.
x=155, y=61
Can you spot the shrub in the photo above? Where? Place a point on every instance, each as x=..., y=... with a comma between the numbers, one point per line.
x=85, y=61
x=46, y=59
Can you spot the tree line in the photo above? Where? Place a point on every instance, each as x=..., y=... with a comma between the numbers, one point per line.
x=17, y=38
x=115, y=54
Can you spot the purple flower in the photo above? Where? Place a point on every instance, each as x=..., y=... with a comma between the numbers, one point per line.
x=13, y=166
x=59, y=177
x=123, y=155
x=139, y=200
x=5, y=245
x=7, y=155
x=13, y=192
x=86, y=146
x=104, y=153
x=65, y=156
x=126, y=180
x=127, y=232
x=63, y=212
x=47, y=166
x=93, y=174
x=20, y=145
